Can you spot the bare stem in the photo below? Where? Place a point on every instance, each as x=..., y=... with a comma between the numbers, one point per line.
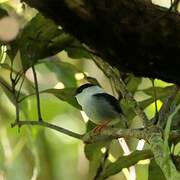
x=37, y=94
x=155, y=102
x=48, y=125
x=13, y=84
x=19, y=91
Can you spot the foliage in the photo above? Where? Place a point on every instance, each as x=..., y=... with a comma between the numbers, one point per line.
x=48, y=92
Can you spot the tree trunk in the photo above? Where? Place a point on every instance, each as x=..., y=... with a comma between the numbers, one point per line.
x=133, y=35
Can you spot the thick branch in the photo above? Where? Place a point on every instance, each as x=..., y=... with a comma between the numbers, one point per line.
x=135, y=36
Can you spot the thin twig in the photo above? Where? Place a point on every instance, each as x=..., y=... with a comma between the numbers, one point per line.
x=37, y=94
x=13, y=84
x=19, y=75
x=48, y=125
x=20, y=87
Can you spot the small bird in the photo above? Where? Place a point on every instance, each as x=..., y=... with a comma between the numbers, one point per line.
x=102, y=108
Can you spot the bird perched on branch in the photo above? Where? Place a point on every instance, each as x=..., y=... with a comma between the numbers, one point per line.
x=102, y=108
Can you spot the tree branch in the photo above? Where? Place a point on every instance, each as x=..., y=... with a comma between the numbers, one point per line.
x=48, y=125
x=91, y=137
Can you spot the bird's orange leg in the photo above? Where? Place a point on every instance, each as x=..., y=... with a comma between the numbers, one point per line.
x=99, y=127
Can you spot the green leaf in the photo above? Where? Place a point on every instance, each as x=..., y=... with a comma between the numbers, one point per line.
x=133, y=83
x=41, y=38
x=77, y=51
x=126, y=161
x=60, y=42
x=90, y=125
x=160, y=92
x=155, y=172
x=65, y=72
x=66, y=94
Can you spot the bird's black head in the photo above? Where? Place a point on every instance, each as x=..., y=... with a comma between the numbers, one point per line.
x=84, y=86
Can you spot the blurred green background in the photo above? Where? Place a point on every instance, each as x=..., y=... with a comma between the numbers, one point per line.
x=37, y=153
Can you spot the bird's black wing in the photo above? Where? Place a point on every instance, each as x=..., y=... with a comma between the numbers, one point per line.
x=111, y=99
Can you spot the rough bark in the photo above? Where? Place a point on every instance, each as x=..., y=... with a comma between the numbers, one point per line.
x=133, y=35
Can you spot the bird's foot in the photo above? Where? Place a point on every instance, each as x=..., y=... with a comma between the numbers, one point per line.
x=100, y=127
